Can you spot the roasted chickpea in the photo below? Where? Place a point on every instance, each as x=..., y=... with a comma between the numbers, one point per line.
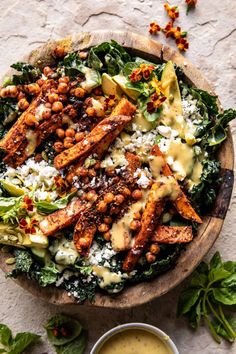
x=13, y=91
x=109, y=197
x=23, y=104
x=135, y=225
x=79, y=136
x=107, y=220
x=79, y=92
x=150, y=257
x=47, y=113
x=137, y=194
x=83, y=172
x=53, y=97
x=33, y=89
x=48, y=105
x=60, y=133
x=103, y=228
x=57, y=106
x=40, y=82
x=59, y=52
x=68, y=142
x=119, y=198
x=70, y=132
x=47, y=71
x=20, y=95
x=31, y=120
x=90, y=111
x=107, y=236
x=154, y=248
x=72, y=91
x=3, y=92
x=97, y=165
x=72, y=113
x=126, y=191
x=91, y=196
x=92, y=172
x=110, y=171
x=83, y=55
x=64, y=79
x=63, y=87
x=58, y=146
x=102, y=206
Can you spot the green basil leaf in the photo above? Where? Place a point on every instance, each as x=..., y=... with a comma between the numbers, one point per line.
x=77, y=346
x=195, y=314
x=71, y=326
x=230, y=266
x=216, y=261
x=5, y=335
x=29, y=73
x=217, y=274
x=226, y=296
x=217, y=135
x=202, y=268
x=22, y=341
x=2, y=351
x=71, y=65
x=198, y=280
x=229, y=282
x=187, y=299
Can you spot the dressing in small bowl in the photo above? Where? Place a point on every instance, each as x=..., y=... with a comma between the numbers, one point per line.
x=135, y=338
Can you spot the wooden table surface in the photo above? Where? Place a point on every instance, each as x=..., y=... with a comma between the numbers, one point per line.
x=212, y=36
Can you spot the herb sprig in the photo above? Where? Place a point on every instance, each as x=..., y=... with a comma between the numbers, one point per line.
x=211, y=295
x=17, y=344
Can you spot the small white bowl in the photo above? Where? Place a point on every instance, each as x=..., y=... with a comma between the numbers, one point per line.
x=146, y=327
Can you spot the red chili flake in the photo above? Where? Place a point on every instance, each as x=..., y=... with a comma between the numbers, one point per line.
x=154, y=28
x=144, y=71
x=172, y=11
x=182, y=44
x=190, y=4
x=155, y=103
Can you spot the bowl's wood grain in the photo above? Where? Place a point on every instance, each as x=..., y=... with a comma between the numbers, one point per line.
x=208, y=232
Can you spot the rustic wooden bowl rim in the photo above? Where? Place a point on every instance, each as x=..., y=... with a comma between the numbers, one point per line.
x=138, y=294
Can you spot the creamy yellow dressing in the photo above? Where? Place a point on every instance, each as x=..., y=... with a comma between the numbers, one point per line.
x=156, y=163
x=165, y=187
x=120, y=231
x=180, y=157
x=32, y=142
x=142, y=123
x=106, y=276
x=195, y=177
x=135, y=341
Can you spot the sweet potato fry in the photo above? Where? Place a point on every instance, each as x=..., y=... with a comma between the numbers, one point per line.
x=172, y=234
x=124, y=107
x=81, y=149
x=182, y=203
x=83, y=236
x=152, y=212
x=62, y=218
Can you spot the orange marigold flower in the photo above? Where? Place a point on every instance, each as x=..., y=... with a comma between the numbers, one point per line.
x=190, y=4
x=143, y=72
x=154, y=28
x=182, y=44
x=173, y=32
x=172, y=11
x=155, y=103
x=28, y=225
x=27, y=203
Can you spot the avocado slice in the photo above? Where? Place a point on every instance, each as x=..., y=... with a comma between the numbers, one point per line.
x=172, y=107
x=12, y=189
x=110, y=87
x=130, y=92
x=38, y=240
x=41, y=254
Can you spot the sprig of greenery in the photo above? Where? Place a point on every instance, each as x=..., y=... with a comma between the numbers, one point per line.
x=28, y=73
x=66, y=335
x=17, y=344
x=212, y=290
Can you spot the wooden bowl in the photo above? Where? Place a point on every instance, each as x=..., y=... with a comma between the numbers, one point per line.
x=207, y=233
